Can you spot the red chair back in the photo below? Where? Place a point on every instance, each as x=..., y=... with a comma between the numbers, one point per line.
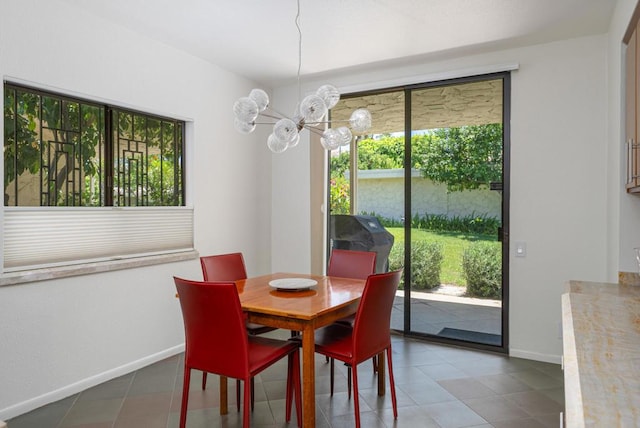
x=223, y=267
x=351, y=264
x=371, y=329
x=215, y=335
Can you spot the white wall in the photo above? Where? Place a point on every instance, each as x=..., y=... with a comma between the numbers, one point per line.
x=558, y=174
x=291, y=187
x=58, y=337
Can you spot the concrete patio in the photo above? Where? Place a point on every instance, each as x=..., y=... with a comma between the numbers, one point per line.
x=431, y=312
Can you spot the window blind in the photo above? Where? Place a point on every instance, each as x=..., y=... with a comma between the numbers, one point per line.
x=38, y=237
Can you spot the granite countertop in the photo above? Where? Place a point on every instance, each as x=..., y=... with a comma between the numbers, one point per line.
x=601, y=346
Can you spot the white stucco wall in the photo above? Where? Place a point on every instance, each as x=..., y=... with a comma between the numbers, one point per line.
x=559, y=125
x=382, y=192
x=59, y=337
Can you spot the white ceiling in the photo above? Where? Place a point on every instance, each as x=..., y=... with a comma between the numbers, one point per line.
x=259, y=38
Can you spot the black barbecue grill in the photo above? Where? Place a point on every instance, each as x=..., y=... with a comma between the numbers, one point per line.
x=361, y=233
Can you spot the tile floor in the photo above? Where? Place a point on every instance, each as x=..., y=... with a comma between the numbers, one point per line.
x=437, y=386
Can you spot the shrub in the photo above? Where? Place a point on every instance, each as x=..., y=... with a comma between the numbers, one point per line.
x=385, y=221
x=482, y=268
x=339, y=195
x=426, y=263
x=473, y=223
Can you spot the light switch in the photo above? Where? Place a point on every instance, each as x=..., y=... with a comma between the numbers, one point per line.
x=521, y=249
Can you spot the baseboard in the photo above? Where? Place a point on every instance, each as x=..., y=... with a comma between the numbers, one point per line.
x=74, y=388
x=527, y=355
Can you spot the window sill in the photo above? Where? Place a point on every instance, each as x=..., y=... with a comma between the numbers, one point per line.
x=34, y=275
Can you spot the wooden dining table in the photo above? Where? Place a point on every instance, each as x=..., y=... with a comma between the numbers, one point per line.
x=303, y=311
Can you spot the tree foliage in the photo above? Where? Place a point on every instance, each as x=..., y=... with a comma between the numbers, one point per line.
x=38, y=134
x=384, y=153
x=463, y=158
x=56, y=146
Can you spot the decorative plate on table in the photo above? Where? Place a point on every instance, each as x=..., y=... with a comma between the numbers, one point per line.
x=292, y=284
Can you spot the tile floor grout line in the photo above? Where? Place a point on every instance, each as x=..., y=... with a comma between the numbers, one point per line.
x=173, y=391
x=124, y=397
x=68, y=410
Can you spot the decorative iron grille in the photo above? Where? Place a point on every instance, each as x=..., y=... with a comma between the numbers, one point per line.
x=62, y=151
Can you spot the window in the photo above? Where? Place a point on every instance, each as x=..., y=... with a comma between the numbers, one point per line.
x=88, y=182
x=60, y=151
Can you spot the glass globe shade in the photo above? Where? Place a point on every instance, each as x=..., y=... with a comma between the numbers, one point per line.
x=245, y=109
x=295, y=141
x=285, y=130
x=312, y=108
x=275, y=145
x=329, y=94
x=260, y=97
x=330, y=139
x=345, y=135
x=360, y=120
x=244, y=127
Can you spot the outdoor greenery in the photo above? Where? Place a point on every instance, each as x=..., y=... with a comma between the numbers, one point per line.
x=426, y=263
x=453, y=245
x=481, y=264
x=464, y=158
x=24, y=114
x=481, y=224
x=340, y=195
x=64, y=141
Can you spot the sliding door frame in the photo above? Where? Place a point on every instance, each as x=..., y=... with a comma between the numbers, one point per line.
x=503, y=234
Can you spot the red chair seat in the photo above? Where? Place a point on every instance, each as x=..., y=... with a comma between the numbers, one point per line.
x=335, y=341
x=256, y=329
x=263, y=351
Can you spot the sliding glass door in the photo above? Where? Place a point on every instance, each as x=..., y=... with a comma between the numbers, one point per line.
x=434, y=172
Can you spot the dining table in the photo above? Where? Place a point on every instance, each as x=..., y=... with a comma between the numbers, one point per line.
x=275, y=300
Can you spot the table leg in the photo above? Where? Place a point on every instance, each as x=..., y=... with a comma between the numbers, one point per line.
x=381, y=373
x=224, y=405
x=308, y=378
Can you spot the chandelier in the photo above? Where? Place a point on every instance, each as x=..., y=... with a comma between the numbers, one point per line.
x=310, y=114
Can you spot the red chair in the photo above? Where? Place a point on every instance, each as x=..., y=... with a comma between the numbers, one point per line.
x=370, y=334
x=229, y=267
x=351, y=264
x=216, y=342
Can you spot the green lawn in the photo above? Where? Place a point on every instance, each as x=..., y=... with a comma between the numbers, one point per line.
x=453, y=244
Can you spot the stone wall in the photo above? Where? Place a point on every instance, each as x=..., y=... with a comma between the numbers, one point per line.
x=382, y=192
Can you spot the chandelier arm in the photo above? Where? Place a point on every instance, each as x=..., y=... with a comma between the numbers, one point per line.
x=280, y=114
x=271, y=116
x=329, y=122
x=313, y=130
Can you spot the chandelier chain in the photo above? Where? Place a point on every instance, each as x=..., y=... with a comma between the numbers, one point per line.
x=299, y=49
